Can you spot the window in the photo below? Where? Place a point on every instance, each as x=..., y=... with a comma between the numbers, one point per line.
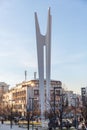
x=36, y=92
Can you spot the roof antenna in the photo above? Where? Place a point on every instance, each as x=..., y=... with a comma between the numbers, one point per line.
x=25, y=73
x=35, y=75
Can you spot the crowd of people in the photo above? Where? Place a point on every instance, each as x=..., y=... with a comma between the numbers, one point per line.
x=78, y=124
x=82, y=126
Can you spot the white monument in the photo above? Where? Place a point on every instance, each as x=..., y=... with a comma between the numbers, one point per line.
x=43, y=40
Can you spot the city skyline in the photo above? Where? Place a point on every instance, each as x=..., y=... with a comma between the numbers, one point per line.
x=68, y=46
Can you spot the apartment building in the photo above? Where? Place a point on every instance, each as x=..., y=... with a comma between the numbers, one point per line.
x=73, y=99
x=84, y=95
x=3, y=88
x=23, y=94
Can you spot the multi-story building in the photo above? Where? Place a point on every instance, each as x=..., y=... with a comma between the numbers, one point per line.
x=73, y=99
x=3, y=88
x=84, y=95
x=22, y=94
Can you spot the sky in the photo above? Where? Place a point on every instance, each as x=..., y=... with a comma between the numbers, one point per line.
x=18, y=50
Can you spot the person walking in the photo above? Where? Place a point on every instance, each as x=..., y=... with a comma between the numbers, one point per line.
x=86, y=125
x=2, y=121
x=83, y=127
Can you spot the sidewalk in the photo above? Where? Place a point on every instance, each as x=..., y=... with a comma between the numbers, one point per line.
x=7, y=127
x=15, y=127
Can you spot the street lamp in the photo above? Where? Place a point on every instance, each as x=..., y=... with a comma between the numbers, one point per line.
x=11, y=116
x=59, y=94
x=29, y=102
x=61, y=110
x=56, y=88
x=75, y=112
x=28, y=117
x=30, y=109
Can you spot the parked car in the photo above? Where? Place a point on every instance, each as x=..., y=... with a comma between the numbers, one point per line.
x=16, y=119
x=66, y=123
x=53, y=123
x=22, y=118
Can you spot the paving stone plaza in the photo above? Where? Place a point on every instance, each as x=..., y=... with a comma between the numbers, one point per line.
x=16, y=127
x=7, y=127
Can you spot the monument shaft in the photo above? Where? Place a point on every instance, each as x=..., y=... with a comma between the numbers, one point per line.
x=43, y=40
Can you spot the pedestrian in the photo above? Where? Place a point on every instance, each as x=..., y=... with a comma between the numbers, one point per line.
x=2, y=121
x=86, y=125
x=50, y=125
x=83, y=127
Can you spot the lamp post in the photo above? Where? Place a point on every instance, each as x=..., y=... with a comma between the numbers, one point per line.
x=28, y=118
x=32, y=107
x=54, y=100
x=59, y=94
x=29, y=101
x=75, y=115
x=75, y=112
x=58, y=88
x=61, y=111
x=11, y=116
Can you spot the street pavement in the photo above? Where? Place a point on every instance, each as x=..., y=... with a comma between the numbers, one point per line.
x=14, y=127
x=7, y=127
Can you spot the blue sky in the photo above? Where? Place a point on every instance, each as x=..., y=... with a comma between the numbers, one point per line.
x=69, y=41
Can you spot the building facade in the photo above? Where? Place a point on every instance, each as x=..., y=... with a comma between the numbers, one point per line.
x=19, y=97
x=3, y=89
x=84, y=95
